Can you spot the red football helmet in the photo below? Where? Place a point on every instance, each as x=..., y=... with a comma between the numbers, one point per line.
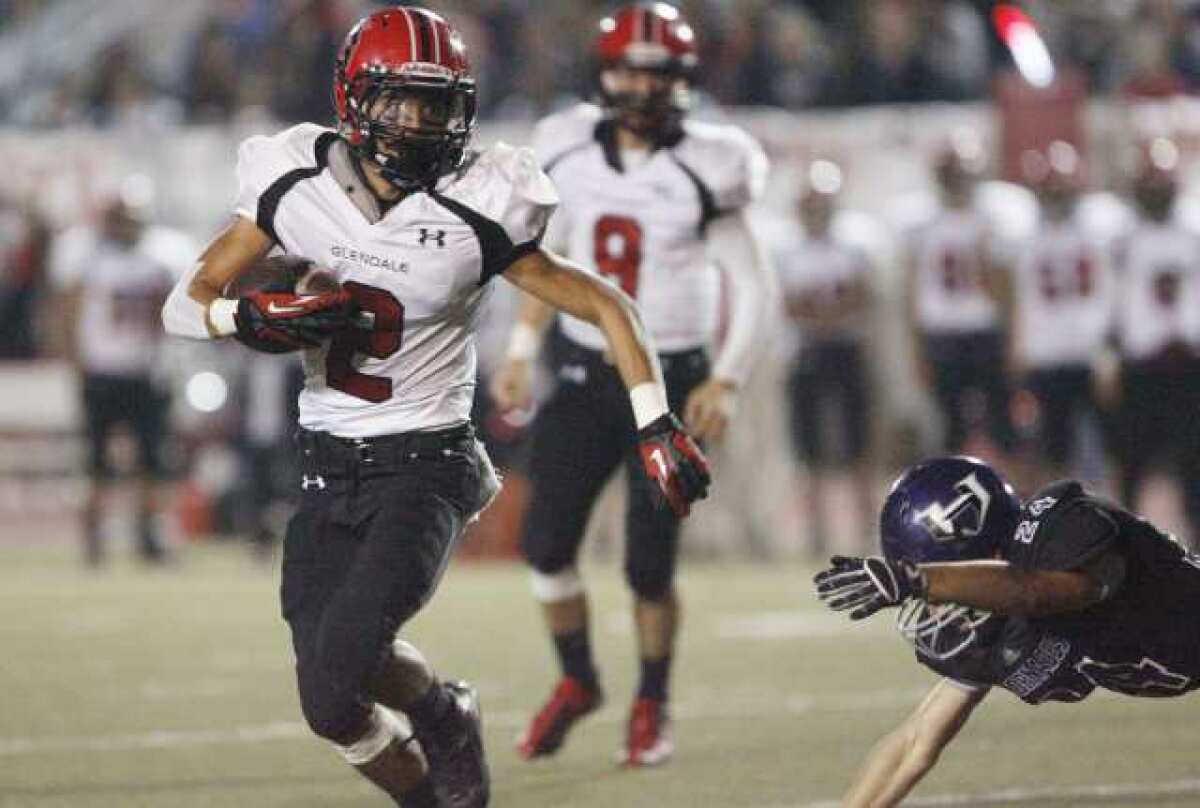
x=1155, y=178
x=959, y=163
x=818, y=196
x=648, y=38
x=395, y=54
x=1056, y=175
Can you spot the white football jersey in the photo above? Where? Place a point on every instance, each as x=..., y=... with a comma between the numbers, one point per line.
x=119, y=327
x=639, y=220
x=1159, y=290
x=1063, y=287
x=950, y=291
x=420, y=269
x=821, y=272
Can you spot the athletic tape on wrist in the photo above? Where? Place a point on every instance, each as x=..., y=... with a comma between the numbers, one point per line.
x=649, y=401
x=220, y=316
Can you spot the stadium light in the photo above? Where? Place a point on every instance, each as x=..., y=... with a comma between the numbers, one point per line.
x=207, y=391
x=1028, y=50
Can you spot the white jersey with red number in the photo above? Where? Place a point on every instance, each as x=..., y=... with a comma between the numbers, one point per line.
x=421, y=270
x=821, y=272
x=638, y=219
x=1063, y=286
x=951, y=297
x=118, y=330
x=1158, y=304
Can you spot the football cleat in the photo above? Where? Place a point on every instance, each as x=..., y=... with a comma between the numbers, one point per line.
x=647, y=743
x=571, y=701
x=454, y=749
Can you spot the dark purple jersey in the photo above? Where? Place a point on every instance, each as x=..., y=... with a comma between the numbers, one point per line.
x=1143, y=639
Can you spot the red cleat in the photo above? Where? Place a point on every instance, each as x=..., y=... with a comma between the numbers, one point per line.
x=647, y=743
x=570, y=702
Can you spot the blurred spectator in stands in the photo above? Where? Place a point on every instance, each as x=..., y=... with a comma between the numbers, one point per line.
x=1062, y=302
x=24, y=239
x=1158, y=329
x=121, y=92
x=300, y=57
x=955, y=305
x=112, y=281
x=1149, y=72
x=826, y=285
x=213, y=75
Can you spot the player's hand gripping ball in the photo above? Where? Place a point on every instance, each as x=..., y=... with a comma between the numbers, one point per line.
x=288, y=304
x=674, y=462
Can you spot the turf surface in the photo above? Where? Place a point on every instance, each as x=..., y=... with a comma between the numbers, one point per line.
x=173, y=688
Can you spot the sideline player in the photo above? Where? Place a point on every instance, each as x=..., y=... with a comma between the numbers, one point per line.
x=826, y=285
x=955, y=304
x=648, y=197
x=1158, y=330
x=113, y=280
x=1049, y=600
x=1062, y=304
x=414, y=225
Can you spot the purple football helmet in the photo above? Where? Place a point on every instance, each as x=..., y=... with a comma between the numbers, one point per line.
x=946, y=509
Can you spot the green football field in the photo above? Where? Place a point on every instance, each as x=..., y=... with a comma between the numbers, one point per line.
x=173, y=688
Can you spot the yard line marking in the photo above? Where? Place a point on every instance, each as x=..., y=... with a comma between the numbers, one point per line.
x=1016, y=796
x=696, y=708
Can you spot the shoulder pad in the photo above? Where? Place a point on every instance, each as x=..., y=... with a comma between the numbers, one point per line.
x=557, y=134
x=505, y=187
x=263, y=159
x=727, y=160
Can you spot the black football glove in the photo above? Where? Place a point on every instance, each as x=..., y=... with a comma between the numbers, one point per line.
x=279, y=322
x=867, y=585
x=674, y=462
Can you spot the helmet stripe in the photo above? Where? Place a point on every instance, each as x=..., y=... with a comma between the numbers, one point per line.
x=659, y=23
x=645, y=18
x=426, y=33
x=412, y=33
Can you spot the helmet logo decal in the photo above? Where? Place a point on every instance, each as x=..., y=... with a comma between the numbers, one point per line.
x=963, y=517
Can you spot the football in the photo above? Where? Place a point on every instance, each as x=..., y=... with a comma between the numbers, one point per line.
x=284, y=273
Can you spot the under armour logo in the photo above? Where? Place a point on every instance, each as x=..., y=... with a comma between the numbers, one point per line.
x=438, y=237
x=953, y=521
x=316, y=481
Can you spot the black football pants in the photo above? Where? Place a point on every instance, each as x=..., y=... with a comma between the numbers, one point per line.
x=374, y=531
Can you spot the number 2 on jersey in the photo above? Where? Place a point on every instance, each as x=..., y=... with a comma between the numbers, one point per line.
x=379, y=342
x=618, y=250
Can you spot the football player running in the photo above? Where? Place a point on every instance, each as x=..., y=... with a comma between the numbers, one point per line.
x=1049, y=600
x=413, y=225
x=654, y=203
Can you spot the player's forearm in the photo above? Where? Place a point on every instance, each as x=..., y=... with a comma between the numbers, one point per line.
x=997, y=586
x=628, y=342
x=195, y=309
x=754, y=293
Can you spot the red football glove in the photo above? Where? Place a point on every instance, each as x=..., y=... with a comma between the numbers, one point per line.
x=674, y=461
x=279, y=322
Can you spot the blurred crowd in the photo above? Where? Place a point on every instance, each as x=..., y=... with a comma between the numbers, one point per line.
x=229, y=57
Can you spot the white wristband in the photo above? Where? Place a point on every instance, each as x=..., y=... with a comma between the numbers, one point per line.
x=524, y=343
x=220, y=316
x=649, y=400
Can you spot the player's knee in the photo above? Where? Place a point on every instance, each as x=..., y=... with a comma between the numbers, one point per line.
x=554, y=587
x=336, y=717
x=652, y=582
x=546, y=557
